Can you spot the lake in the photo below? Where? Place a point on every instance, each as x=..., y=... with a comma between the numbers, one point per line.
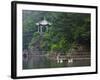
x=40, y=61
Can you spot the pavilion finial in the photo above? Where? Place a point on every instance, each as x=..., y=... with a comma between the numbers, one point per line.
x=44, y=18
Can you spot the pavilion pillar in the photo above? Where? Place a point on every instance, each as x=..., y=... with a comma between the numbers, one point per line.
x=47, y=28
x=38, y=29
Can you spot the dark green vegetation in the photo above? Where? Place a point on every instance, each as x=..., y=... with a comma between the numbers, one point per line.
x=67, y=30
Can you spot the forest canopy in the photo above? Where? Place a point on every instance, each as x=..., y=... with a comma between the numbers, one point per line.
x=67, y=30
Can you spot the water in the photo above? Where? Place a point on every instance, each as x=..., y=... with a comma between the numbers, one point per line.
x=36, y=62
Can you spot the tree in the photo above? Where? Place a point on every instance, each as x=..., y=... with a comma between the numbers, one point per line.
x=66, y=31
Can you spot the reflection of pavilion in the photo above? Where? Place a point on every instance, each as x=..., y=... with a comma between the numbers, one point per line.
x=43, y=25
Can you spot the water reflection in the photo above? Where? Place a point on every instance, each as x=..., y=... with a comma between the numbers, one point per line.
x=41, y=61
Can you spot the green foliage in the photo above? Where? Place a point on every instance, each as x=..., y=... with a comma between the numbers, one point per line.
x=67, y=30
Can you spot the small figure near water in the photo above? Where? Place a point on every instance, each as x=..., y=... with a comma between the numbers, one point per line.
x=70, y=60
x=59, y=60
